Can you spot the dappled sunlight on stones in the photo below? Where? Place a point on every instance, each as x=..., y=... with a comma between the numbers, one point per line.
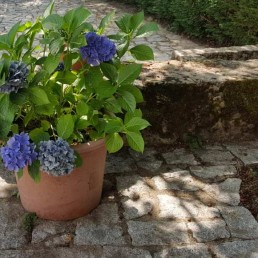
x=157, y=233
x=226, y=192
x=176, y=180
x=178, y=208
x=240, y=222
x=205, y=231
x=188, y=251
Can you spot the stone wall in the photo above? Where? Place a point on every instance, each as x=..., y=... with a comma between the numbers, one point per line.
x=213, y=99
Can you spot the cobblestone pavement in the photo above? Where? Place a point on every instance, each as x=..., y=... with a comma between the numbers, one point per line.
x=163, y=43
x=170, y=203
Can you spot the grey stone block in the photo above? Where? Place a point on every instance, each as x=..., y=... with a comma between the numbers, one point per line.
x=188, y=251
x=226, y=192
x=240, y=222
x=128, y=252
x=213, y=172
x=157, y=233
x=237, y=249
x=205, y=231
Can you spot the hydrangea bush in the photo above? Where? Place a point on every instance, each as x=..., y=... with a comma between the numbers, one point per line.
x=63, y=82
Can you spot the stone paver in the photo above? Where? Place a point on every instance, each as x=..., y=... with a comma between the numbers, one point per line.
x=157, y=233
x=118, y=252
x=237, y=249
x=189, y=251
x=180, y=156
x=205, y=231
x=174, y=207
x=226, y=192
x=213, y=172
x=240, y=222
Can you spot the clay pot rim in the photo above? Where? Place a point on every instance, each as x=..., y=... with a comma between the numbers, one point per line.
x=89, y=146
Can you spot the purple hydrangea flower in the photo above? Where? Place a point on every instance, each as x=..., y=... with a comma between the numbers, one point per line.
x=60, y=67
x=18, y=152
x=16, y=79
x=56, y=157
x=98, y=49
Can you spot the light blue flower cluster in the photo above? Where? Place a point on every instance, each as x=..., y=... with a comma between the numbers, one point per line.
x=16, y=79
x=56, y=157
x=98, y=49
x=18, y=152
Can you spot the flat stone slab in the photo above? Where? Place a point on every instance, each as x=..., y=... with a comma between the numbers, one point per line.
x=226, y=192
x=47, y=229
x=157, y=233
x=215, y=156
x=213, y=172
x=117, y=164
x=237, y=249
x=180, y=156
x=132, y=186
x=101, y=227
x=176, y=180
x=128, y=252
x=205, y=231
x=247, y=154
x=137, y=208
x=178, y=208
x=12, y=231
x=240, y=222
x=188, y=251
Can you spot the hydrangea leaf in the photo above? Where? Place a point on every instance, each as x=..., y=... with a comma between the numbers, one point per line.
x=128, y=73
x=142, y=52
x=38, y=96
x=105, y=22
x=135, y=141
x=38, y=134
x=65, y=126
x=147, y=29
x=136, y=124
x=114, y=142
x=34, y=171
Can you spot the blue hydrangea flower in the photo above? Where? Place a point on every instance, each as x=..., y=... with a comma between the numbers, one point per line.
x=56, y=157
x=18, y=152
x=98, y=49
x=60, y=67
x=16, y=79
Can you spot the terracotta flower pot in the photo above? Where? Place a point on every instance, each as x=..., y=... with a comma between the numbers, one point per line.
x=67, y=197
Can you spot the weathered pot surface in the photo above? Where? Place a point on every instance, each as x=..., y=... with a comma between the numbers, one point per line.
x=71, y=196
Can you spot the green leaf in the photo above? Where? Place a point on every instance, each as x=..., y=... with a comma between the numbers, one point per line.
x=38, y=96
x=65, y=126
x=20, y=97
x=49, y=9
x=114, y=142
x=109, y=71
x=4, y=42
x=147, y=29
x=136, y=20
x=135, y=91
x=82, y=123
x=56, y=45
x=135, y=141
x=82, y=108
x=15, y=128
x=128, y=73
x=105, y=22
x=12, y=33
x=114, y=125
x=136, y=124
x=142, y=52
x=34, y=171
x=45, y=125
x=127, y=101
x=123, y=23
x=66, y=77
x=52, y=22
x=78, y=159
x=105, y=89
x=122, y=48
x=38, y=134
x=20, y=173
x=113, y=105
x=130, y=115
x=51, y=62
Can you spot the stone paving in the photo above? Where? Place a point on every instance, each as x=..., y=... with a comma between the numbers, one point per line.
x=163, y=43
x=164, y=203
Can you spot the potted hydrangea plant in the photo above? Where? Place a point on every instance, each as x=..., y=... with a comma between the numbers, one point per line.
x=66, y=97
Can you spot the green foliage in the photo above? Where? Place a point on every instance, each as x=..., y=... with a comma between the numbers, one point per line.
x=76, y=104
x=221, y=21
x=28, y=221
